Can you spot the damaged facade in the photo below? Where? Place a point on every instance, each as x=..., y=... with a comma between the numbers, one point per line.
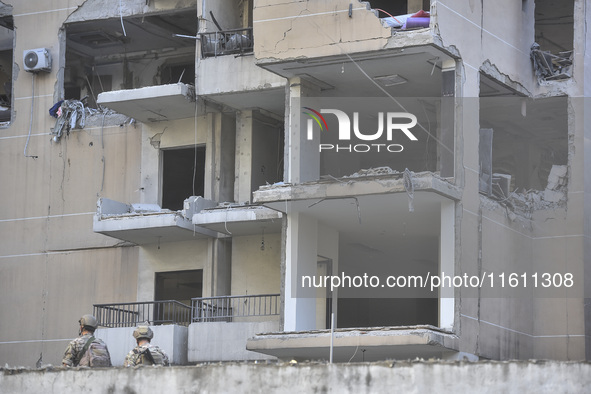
x=198, y=169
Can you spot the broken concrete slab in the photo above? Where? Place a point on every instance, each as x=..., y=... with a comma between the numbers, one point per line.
x=152, y=103
x=557, y=177
x=378, y=343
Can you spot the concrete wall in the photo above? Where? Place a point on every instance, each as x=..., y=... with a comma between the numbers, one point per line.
x=170, y=338
x=256, y=271
x=172, y=256
x=407, y=377
x=488, y=240
x=227, y=74
x=288, y=29
x=53, y=268
x=222, y=341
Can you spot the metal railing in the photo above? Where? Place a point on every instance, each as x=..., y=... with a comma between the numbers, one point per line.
x=226, y=308
x=131, y=314
x=226, y=42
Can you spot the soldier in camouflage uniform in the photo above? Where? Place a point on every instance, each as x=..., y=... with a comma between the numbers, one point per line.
x=74, y=352
x=145, y=353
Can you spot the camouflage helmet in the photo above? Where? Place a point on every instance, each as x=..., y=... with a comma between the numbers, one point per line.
x=143, y=332
x=88, y=321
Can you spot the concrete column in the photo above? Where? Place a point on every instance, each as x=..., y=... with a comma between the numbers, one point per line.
x=446, y=263
x=243, y=169
x=219, y=157
x=447, y=124
x=300, y=260
x=210, y=155
x=302, y=157
x=328, y=248
x=150, y=183
x=221, y=266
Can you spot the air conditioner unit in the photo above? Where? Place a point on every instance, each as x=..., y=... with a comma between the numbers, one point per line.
x=36, y=60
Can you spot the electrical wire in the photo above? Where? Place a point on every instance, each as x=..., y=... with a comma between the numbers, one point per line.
x=31, y=119
x=121, y=18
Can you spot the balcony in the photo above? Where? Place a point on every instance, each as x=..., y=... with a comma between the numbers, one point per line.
x=211, y=329
x=152, y=103
x=131, y=314
x=227, y=42
x=168, y=319
x=234, y=308
x=143, y=224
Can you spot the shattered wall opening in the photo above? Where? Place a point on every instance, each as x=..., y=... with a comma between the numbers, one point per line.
x=552, y=51
x=183, y=175
x=137, y=51
x=267, y=152
x=528, y=139
x=399, y=7
x=404, y=14
x=6, y=62
x=554, y=21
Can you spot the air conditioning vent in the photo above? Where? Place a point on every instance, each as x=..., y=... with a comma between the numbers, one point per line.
x=36, y=60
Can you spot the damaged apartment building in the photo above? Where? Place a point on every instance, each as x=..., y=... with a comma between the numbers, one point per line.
x=214, y=168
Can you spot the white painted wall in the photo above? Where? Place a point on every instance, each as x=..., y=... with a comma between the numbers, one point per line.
x=222, y=341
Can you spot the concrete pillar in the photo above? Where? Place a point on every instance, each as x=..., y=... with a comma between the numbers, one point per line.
x=302, y=157
x=328, y=248
x=210, y=155
x=446, y=263
x=221, y=266
x=447, y=123
x=243, y=168
x=219, y=157
x=300, y=259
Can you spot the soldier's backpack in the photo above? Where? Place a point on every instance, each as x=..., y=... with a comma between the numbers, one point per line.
x=95, y=354
x=151, y=357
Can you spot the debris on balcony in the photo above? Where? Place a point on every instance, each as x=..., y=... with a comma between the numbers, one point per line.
x=418, y=20
x=550, y=67
x=227, y=42
x=70, y=115
x=525, y=202
x=373, y=172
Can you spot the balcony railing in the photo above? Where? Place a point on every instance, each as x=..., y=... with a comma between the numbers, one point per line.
x=236, y=41
x=227, y=308
x=131, y=314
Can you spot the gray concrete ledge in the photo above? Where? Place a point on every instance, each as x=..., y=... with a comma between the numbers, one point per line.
x=359, y=344
x=363, y=185
x=539, y=377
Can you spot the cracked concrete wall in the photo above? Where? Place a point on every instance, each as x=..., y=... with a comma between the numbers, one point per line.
x=229, y=74
x=103, y=9
x=490, y=238
x=291, y=29
x=475, y=29
x=52, y=264
x=411, y=377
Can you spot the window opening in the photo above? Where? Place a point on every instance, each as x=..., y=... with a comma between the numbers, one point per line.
x=182, y=170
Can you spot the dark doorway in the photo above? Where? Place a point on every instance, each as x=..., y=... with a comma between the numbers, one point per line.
x=179, y=285
x=183, y=175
